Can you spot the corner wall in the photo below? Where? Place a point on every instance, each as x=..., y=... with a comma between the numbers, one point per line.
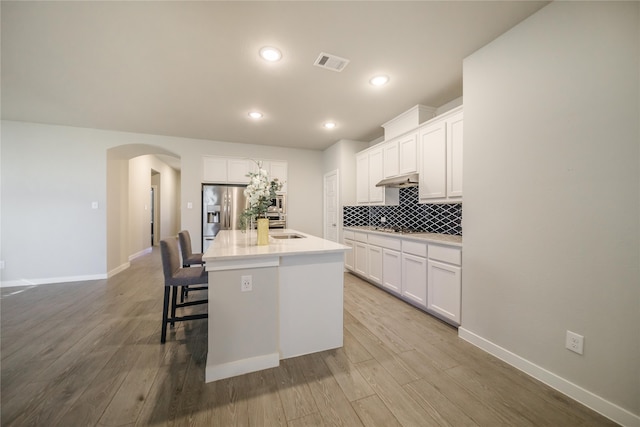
x=552, y=200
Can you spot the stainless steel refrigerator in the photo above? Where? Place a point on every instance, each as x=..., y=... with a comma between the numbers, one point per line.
x=222, y=206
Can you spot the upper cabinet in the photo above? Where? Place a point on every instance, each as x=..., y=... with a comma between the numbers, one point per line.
x=370, y=171
x=401, y=155
x=226, y=170
x=238, y=170
x=440, y=159
x=454, y=156
x=279, y=169
x=391, y=158
x=432, y=149
x=408, y=153
x=376, y=174
x=276, y=169
x=214, y=169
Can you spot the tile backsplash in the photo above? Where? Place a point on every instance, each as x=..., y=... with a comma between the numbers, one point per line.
x=433, y=218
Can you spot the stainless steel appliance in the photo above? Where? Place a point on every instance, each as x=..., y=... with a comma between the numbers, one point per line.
x=277, y=212
x=222, y=206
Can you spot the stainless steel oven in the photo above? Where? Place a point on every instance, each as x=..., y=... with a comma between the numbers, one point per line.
x=277, y=212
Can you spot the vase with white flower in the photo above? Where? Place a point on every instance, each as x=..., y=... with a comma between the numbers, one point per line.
x=259, y=193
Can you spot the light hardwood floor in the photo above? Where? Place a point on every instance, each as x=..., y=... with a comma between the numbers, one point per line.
x=84, y=354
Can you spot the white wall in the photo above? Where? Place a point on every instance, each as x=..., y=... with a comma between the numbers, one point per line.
x=552, y=202
x=49, y=229
x=51, y=174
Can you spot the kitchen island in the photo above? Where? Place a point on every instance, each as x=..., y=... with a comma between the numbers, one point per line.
x=272, y=302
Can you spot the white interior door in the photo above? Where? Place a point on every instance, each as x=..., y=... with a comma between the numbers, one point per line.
x=331, y=209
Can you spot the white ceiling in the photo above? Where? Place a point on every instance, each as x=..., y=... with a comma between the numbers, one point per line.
x=191, y=69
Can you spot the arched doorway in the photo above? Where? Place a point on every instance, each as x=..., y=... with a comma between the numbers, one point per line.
x=132, y=170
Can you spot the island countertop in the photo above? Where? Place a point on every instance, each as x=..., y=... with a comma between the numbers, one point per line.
x=236, y=244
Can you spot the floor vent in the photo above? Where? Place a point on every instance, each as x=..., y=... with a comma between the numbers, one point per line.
x=331, y=62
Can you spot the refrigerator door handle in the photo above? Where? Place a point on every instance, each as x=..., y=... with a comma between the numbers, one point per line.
x=228, y=210
x=225, y=212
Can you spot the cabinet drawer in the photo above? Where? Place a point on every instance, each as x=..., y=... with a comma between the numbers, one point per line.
x=360, y=237
x=415, y=248
x=385, y=242
x=349, y=235
x=445, y=254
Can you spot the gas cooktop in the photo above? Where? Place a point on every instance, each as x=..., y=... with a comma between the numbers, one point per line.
x=398, y=230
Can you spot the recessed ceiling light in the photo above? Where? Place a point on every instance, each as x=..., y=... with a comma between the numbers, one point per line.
x=270, y=54
x=255, y=115
x=379, y=80
x=329, y=125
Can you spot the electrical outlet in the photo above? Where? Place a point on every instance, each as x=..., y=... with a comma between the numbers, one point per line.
x=246, y=284
x=1, y=265
x=575, y=342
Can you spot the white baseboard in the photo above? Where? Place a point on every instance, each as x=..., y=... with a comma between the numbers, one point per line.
x=587, y=398
x=240, y=367
x=139, y=254
x=50, y=280
x=119, y=269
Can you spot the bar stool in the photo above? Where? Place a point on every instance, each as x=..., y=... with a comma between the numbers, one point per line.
x=188, y=257
x=174, y=278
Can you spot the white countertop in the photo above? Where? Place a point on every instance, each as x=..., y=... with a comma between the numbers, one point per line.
x=235, y=244
x=425, y=237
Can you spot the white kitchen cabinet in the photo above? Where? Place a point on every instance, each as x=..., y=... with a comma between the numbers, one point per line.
x=440, y=159
x=414, y=272
x=279, y=169
x=392, y=270
x=426, y=274
x=408, y=153
x=360, y=262
x=276, y=169
x=433, y=157
x=214, y=169
x=454, y=155
x=362, y=177
x=370, y=171
x=376, y=174
x=400, y=155
x=349, y=255
x=374, y=262
x=414, y=278
x=227, y=170
x=238, y=170
x=445, y=282
x=390, y=159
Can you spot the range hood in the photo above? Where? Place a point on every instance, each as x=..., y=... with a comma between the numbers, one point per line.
x=402, y=181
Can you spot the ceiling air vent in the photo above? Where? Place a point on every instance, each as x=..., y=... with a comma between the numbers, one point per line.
x=331, y=62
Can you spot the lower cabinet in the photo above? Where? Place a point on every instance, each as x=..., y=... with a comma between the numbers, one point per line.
x=445, y=282
x=444, y=290
x=374, y=260
x=360, y=264
x=392, y=270
x=414, y=278
x=348, y=255
x=427, y=275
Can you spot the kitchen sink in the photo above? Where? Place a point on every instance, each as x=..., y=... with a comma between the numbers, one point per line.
x=287, y=236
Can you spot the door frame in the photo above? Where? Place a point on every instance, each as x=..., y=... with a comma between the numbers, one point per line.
x=156, y=216
x=335, y=172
